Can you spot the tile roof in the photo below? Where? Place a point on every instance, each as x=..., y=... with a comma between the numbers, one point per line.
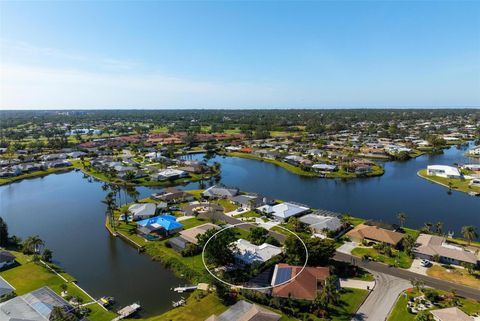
x=304, y=286
x=375, y=233
x=246, y=311
x=191, y=234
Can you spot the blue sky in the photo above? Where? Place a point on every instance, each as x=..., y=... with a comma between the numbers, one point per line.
x=239, y=54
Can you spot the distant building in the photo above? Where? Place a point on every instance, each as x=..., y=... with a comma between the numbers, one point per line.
x=443, y=171
x=217, y=191
x=245, y=311
x=190, y=236
x=320, y=223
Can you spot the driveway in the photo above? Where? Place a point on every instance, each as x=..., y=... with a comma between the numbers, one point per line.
x=357, y=284
x=381, y=300
x=347, y=247
x=417, y=267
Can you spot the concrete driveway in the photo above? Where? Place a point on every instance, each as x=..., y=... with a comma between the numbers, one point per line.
x=417, y=267
x=357, y=284
x=347, y=247
x=381, y=300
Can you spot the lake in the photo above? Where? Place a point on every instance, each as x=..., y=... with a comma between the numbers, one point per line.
x=66, y=211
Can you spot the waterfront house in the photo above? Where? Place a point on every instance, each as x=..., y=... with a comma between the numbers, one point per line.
x=324, y=168
x=250, y=202
x=6, y=259
x=190, y=236
x=475, y=151
x=450, y=314
x=33, y=306
x=375, y=234
x=281, y=212
x=141, y=211
x=430, y=246
x=169, y=174
x=475, y=182
x=172, y=195
x=320, y=224
x=443, y=171
x=158, y=227
x=248, y=253
x=305, y=284
x=218, y=191
x=245, y=311
x=5, y=288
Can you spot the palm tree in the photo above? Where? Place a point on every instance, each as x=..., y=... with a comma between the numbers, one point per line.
x=428, y=227
x=329, y=294
x=439, y=228
x=402, y=217
x=470, y=233
x=33, y=244
x=110, y=202
x=125, y=212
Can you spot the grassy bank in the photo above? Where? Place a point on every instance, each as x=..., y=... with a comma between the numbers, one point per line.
x=8, y=180
x=376, y=169
x=139, y=181
x=28, y=276
x=455, y=184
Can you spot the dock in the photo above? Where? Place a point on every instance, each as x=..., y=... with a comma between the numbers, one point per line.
x=127, y=311
x=185, y=288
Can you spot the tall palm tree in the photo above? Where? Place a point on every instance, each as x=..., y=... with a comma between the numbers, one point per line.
x=33, y=244
x=110, y=202
x=428, y=227
x=125, y=212
x=439, y=228
x=402, y=217
x=470, y=233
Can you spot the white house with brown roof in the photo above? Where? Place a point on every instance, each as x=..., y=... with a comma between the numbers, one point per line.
x=376, y=234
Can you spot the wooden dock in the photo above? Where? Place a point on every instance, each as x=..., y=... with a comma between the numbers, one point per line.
x=127, y=311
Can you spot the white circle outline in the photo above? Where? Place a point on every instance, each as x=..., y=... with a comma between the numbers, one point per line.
x=254, y=288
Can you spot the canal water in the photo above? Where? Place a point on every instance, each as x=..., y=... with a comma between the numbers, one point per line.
x=66, y=211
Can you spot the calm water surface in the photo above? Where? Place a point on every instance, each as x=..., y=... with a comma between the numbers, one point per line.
x=66, y=211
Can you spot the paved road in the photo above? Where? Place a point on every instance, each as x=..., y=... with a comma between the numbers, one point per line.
x=380, y=301
x=408, y=275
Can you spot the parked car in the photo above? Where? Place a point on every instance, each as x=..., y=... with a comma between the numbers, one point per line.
x=425, y=263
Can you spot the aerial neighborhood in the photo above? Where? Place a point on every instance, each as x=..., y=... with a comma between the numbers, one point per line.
x=242, y=254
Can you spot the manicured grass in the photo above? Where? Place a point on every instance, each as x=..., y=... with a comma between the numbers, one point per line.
x=249, y=214
x=29, y=276
x=355, y=220
x=227, y=205
x=8, y=180
x=413, y=233
x=399, y=258
x=350, y=301
x=399, y=311
x=195, y=309
x=456, y=184
x=456, y=275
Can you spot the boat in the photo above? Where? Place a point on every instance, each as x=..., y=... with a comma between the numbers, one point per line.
x=178, y=303
x=106, y=300
x=474, y=193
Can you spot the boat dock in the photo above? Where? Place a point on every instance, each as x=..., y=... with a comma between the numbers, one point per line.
x=127, y=311
x=185, y=288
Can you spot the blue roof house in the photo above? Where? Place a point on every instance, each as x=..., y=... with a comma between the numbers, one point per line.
x=158, y=227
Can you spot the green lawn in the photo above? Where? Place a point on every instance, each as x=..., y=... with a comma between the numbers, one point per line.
x=456, y=184
x=249, y=214
x=29, y=276
x=399, y=258
x=400, y=313
x=350, y=301
x=227, y=205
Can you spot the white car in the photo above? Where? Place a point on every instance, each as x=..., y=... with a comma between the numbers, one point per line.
x=425, y=263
